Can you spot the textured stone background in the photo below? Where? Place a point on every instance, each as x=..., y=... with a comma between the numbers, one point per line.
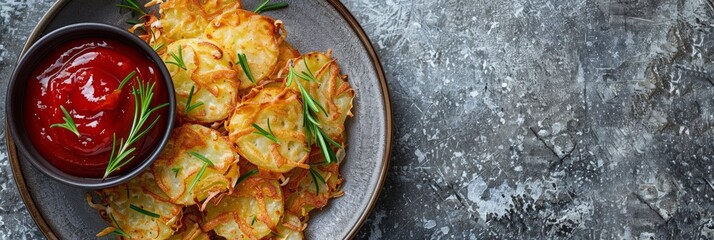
x=521, y=119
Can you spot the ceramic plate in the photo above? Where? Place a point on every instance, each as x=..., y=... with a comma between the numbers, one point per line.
x=313, y=25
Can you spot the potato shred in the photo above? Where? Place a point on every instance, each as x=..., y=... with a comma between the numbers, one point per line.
x=240, y=164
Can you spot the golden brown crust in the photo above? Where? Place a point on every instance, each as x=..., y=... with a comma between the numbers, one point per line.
x=253, y=211
x=177, y=168
x=140, y=192
x=284, y=111
x=256, y=36
x=331, y=90
x=210, y=73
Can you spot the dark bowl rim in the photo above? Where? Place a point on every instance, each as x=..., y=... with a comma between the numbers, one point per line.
x=16, y=88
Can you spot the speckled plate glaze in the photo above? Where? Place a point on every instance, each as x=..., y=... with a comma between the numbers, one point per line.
x=61, y=212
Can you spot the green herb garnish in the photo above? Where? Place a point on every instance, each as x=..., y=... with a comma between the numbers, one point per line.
x=133, y=21
x=68, y=122
x=178, y=59
x=206, y=163
x=190, y=107
x=117, y=229
x=315, y=177
x=245, y=176
x=268, y=134
x=310, y=108
x=143, y=211
x=243, y=62
x=132, y=5
x=126, y=79
x=156, y=47
x=142, y=110
x=198, y=176
x=176, y=171
x=203, y=158
x=264, y=7
x=253, y=221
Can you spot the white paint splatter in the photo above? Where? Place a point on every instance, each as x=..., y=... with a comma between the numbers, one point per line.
x=420, y=155
x=430, y=224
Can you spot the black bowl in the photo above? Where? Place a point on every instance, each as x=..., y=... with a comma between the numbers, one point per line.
x=17, y=89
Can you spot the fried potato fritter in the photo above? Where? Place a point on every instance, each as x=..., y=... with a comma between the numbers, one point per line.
x=330, y=89
x=182, y=19
x=178, y=166
x=210, y=72
x=256, y=36
x=284, y=111
x=252, y=211
x=142, y=192
x=306, y=189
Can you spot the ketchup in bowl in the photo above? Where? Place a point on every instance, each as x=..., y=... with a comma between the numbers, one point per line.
x=83, y=76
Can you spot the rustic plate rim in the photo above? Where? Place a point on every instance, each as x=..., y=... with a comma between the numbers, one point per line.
x=49, y=233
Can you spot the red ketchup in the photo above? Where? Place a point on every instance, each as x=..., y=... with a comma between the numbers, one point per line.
x=83, y=75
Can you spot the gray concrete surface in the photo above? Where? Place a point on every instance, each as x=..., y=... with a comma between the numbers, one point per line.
x=526, y=119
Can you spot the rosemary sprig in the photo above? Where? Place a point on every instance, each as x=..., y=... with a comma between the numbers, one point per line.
x=245, y=176
x=243, y=62
x=310, y=108
x=117, y=229
x=315, y=177
x=144, y=211
x=206, y=163
x=142, y=110
x=264, y=7
x=132, y=5
x=190, y=107
x=178, y=59
x=68, y=122
x=268, y=134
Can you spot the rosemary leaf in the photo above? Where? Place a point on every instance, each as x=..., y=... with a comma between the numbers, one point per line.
x=176, y=171
x=203, y=158
x=156, y=47
x=268, y=134
x=198, y=176
x=117, y=228
x=264, y=7
x=132, y=5
x=126, y=79
x=190, y=107
x=144, y=211
x=315, y=177
x=133, y=21
x=243, y=62
x=245, y=176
